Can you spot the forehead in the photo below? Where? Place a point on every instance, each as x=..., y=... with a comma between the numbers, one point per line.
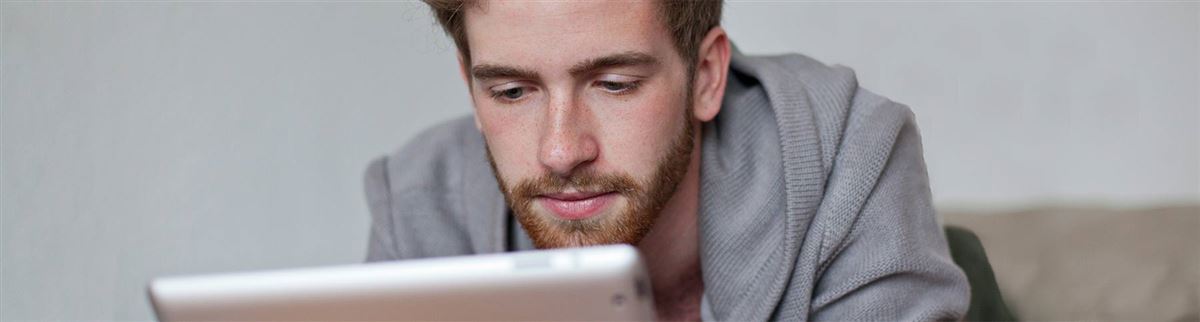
x=558, y=33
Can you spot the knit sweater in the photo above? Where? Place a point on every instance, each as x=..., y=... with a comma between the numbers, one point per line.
x=814, y=202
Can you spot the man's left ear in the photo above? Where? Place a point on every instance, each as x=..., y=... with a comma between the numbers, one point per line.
x=712, y=68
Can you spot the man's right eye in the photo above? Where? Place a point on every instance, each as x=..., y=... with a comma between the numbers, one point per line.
x=508, y=93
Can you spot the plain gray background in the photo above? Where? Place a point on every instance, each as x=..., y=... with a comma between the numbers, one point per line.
x=142, y=139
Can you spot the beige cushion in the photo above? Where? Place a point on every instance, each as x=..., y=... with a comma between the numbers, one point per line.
x=1081, y=264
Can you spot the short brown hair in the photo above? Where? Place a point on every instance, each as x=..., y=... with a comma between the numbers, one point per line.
x=687, y=20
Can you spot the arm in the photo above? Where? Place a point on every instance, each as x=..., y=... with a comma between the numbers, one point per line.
x=381, y=245
x=417, y=207
x=894, y=262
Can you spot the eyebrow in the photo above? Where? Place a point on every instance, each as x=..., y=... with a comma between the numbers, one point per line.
x=615, y=60
x=486, y=72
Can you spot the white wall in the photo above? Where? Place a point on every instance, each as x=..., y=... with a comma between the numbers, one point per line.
x=142, y=139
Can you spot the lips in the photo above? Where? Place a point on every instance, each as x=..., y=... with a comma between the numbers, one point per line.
x=577, y=205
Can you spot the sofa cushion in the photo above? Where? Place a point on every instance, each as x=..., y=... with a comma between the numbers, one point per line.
x=1094, y=264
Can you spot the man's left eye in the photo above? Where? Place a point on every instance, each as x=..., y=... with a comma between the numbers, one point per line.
x=617, y=87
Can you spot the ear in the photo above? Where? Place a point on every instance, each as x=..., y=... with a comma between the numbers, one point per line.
x=466, y=77
x=712, y=69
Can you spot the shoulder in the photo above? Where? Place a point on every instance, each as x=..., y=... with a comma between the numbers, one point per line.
x=859, y=137
x=429, y=160
x=859, y=131
x=833, y=107
x=843, y=111
x=875, y=233
x=419, y=194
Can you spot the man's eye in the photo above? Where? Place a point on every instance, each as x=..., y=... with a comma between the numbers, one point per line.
x=509, y=94
x=513, y=93
x=617, y=87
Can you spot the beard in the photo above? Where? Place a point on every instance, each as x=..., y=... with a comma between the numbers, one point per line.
x=644, y=199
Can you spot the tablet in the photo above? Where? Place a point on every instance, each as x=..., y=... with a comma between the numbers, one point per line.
x=593, y=283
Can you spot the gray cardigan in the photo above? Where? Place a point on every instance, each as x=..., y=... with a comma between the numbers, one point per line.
x=814, y=202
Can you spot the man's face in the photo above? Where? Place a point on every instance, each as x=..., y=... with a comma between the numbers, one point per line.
x=584, y=107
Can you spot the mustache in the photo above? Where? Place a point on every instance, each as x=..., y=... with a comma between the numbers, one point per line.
x=584, y=181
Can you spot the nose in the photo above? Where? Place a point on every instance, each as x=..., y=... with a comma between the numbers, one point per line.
x=567, y=143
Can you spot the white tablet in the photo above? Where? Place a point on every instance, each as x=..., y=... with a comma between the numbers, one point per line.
x=594, y=283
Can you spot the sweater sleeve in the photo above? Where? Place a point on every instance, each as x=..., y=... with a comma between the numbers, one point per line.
x=892, y=261
x=416, y=203
x=381, y=246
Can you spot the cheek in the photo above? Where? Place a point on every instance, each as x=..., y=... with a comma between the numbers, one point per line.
x=512, y=142
x=637, y=136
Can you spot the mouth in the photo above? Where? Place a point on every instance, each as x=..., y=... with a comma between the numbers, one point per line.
x=577, y=205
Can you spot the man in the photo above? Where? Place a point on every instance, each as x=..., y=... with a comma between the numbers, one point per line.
x=756, y=187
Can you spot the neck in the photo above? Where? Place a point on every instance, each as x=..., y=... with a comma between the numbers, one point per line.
x=672, y=248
